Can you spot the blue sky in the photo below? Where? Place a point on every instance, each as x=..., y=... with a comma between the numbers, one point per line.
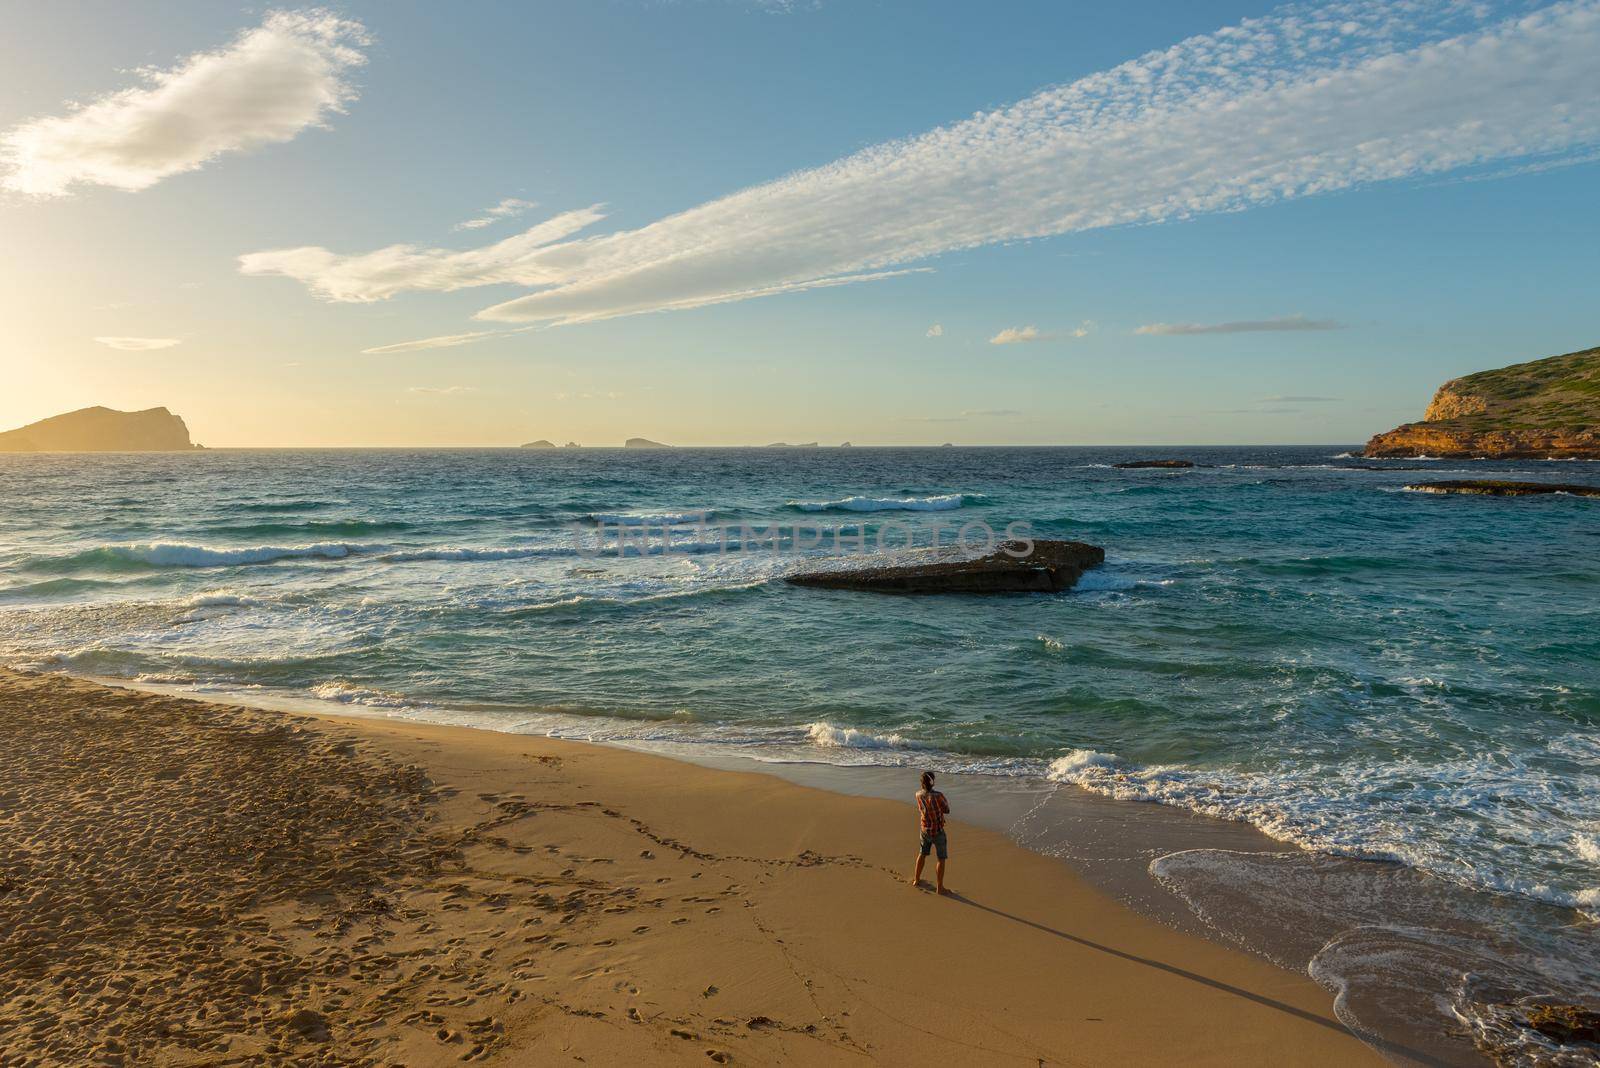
x=1461, y=245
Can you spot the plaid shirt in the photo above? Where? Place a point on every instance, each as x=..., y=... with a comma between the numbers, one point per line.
x=931, y=807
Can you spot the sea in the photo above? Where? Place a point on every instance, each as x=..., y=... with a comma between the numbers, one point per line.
x=1399, y=691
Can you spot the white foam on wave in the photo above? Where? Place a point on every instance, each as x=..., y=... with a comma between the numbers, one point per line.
x=1071, y=768
x=347, y=693
x=649, y=519
x=943, y=502
x=1341, y=812
x=468, y=554
x=222, y=599
x=828, y=736
x=173, y=554
x=1101, y=581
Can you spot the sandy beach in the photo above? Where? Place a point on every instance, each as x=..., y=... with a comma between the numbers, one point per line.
x=190, y=883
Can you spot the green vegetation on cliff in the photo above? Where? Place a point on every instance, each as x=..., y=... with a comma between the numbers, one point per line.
x=1541, y=410
x=1558, y=393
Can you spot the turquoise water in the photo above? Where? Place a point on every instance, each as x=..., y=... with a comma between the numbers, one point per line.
x=1281, y=638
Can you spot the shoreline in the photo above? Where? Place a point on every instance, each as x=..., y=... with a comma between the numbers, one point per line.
x=1158, y=861
x=810, y=916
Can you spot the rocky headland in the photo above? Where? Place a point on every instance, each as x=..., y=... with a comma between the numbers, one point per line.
x=1541, y=410
x=102, y=430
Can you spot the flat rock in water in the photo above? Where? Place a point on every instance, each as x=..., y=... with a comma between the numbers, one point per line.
x=1495, y=488
x=1052, y=566
x=1132, y=465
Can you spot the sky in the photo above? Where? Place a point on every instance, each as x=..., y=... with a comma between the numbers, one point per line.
x=726, y=222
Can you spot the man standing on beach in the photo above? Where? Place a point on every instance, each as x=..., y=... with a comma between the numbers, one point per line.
x=931, y=810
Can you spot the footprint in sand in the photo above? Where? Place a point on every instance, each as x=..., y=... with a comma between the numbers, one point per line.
x=641, y=929
x=709, y=992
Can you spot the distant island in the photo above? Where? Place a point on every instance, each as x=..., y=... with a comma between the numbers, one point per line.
x=102, y=430
x=1541, y=410
x=786, y=445
x=643, y=443
x=540, y=444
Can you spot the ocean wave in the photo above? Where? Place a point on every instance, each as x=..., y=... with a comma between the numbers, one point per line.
x=1102, y=581
x=174, y=554
x=348, y=693
x=294, y=505
x=1346, y=815
x=469, y=554
x=944, y=502
x=222, y=599
x=828, y=736
x=332, y=528
x=650, y=519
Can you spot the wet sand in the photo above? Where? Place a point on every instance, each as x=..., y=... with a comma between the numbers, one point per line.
x=191, y=883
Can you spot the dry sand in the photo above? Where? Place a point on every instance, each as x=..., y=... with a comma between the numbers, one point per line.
x=188, y=883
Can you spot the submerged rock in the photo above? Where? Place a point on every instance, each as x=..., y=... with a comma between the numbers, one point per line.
x=1566, y=1023
x=1134, y=464
x=1052, y=566
x=1495, y=488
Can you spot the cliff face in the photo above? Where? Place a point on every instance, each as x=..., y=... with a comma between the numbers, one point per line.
x=1543, y=409
x=101, y=430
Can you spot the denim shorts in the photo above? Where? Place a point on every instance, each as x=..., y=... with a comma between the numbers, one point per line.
x=936, y=842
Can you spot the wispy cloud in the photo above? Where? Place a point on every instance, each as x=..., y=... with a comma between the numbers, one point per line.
x=1017, y=335
x=269, y=84
x=381, y=274
x=139, y=344
x=936, y=330
x=1020, y=335
x=442, y=390
x=444, y=341
x=1267, y=110
x=509, y=208
x=1288, y=323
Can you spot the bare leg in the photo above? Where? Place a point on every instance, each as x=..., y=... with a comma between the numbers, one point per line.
x=938, y=873
x=916, y=876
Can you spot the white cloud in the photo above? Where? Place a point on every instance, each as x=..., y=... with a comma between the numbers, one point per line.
x=139, y=344
x=1267, y=110
x=1017, y=335
x=269, y=84
x=1290, y=323
x=443, y=390
x=379, y=275
x=936, y=330
x=445, y=341
x=508, y=208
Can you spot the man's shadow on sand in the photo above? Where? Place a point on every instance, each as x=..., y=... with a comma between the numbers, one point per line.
x=1384, y=1046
